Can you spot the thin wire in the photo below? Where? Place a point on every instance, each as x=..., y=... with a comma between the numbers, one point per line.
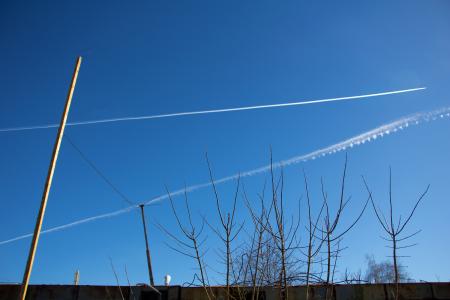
x=98, y=172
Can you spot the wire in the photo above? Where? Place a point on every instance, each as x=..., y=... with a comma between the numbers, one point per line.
x=98, y=172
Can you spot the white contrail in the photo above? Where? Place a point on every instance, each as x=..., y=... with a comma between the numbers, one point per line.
x=79, y=222
x=358, y=140
x=368, y=136
x=201, y=112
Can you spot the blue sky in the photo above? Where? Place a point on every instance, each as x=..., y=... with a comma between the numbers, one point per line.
x=158, y=57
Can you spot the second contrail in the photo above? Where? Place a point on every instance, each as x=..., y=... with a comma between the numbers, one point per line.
x=213, y=111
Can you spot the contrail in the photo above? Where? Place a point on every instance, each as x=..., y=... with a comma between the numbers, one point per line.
x=379, y=132
x=79, y=222
x=202, y=112
x=368, y=136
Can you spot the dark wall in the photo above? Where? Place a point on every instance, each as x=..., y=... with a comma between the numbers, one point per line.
x=336, y=292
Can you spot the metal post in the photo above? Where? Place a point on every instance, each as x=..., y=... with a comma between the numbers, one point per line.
x=149, y=262
x=48, y=183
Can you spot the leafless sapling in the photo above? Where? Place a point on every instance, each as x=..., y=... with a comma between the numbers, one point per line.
x=314, y=243
x=284, y=234
x=330, y=226
x=257, y=259
x=229, y=228
x=190, y=247
x=394, y=230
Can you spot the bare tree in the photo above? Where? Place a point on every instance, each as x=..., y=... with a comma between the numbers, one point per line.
x=269, y=258
x=394, y=230
x=252, y=257
x=314, y=244
x=229, y=231
x=383, y=272
x=331, y=237
x=283, y=234
x=190, y=247
x=351, y=278
x=271, y=254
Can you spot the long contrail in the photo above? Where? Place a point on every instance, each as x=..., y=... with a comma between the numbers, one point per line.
x=75, y=223
x=368, y=136
x=358, y=140
x=202, y=112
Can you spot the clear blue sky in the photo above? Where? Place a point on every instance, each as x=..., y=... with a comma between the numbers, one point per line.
x=155, y=57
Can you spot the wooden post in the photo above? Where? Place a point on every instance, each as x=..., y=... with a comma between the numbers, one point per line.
x=149, y=262
x=48, y=184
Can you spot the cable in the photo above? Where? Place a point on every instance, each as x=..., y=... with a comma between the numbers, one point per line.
x=98, y=172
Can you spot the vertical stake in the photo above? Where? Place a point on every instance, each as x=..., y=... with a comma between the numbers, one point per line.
x=48, y=183
x=76, y=278
x=149, y=262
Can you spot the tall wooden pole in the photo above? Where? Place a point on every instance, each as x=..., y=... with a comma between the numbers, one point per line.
x=149, y=262
x=48, y=184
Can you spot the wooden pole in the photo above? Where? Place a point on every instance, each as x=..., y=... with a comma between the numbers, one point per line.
x=149, y=262
x=48, y=184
